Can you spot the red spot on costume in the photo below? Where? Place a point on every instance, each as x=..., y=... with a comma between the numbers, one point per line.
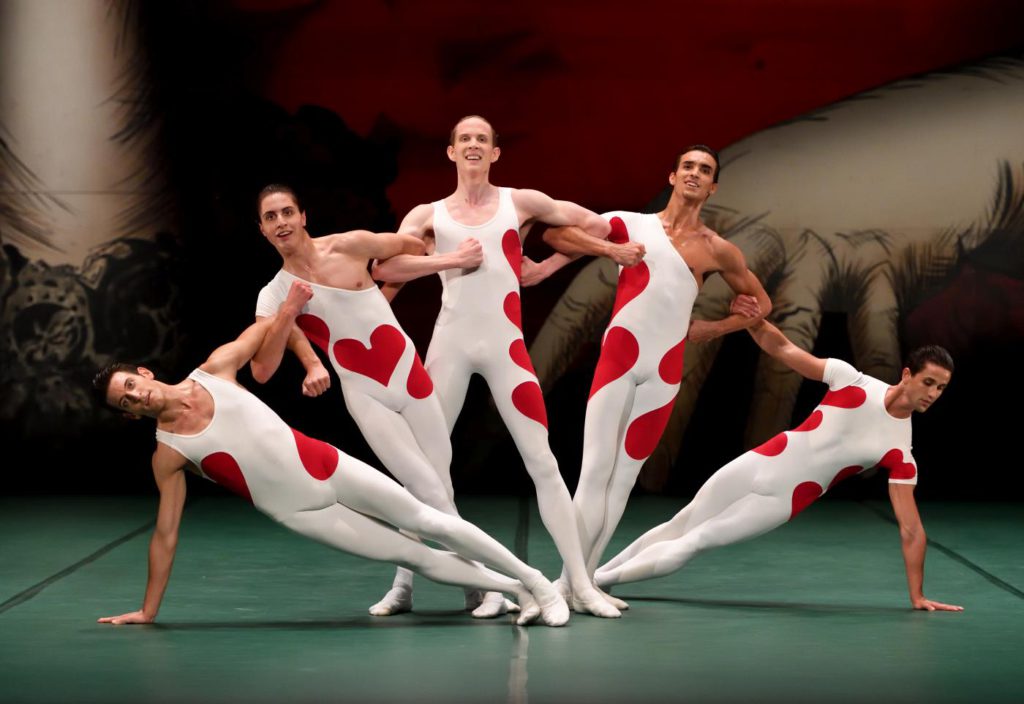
x=803, y=496
x=618, y=355
x=315, y=329
x=419, y=384
x=528, y=400
x=671, y=366
x=846, y=397
x=844, y=473
x=517, y=351
x=223, y=469
x=812, y=422
x=632, y=282
x=513, y=248
x=898, y=469
x=643, y=434
x=513, y=310
x=773, y=447
x=318, y=458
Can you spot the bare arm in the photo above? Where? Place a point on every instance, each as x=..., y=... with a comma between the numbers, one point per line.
x=742, y=281
x=370, y=245
x=226, y=360
x=406, y=267
x=268, y=357
x=574, y=242
x=770, y=339
x=534, y=206
x=168, y=471
x=914, y=542
x=576, y=232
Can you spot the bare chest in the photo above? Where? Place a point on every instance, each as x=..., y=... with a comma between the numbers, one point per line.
x=698, y=253
x=336, y=271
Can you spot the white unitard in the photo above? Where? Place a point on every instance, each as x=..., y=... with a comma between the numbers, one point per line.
x=316, y=490
x=479, y=330
x=636, y=379
x=848, y=432
x=386, y=389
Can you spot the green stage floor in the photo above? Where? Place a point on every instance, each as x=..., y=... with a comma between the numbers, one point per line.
x=814, y=612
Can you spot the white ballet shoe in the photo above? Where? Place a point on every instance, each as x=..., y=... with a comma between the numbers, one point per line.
x=530, y=610
x=591, y=602
x=398, y=600
x=614, y=601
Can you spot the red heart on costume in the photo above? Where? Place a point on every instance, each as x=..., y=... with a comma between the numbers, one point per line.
x=513, y=310
x=377, y=361
x=513, y=248
x=517, y=351
x=528, y=400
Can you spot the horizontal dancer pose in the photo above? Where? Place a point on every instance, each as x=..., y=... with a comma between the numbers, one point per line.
x=230, y=436
x=860, y=423
x=479, y=328
x=386, y=389
x=640, y=368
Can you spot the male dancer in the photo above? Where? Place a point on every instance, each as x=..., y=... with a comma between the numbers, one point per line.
x=479, y=329
x=230, y=436
x=386, y=390
x=641, y=363
x=861, y=422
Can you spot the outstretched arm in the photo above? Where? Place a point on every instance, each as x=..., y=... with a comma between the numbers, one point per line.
x=403, y=267
x=380, y=245
x=770, y=339
x=168, y=471
x=913, y=541
x=574, y=242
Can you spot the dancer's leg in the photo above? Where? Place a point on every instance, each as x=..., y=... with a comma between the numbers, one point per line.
x=752, y=515
x=450, y=369
x=388, y=434
x=723, y=488
x=519, y=400
x=365, y=490
x=649, y=411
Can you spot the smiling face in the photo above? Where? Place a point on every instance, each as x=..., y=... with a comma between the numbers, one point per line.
x=694, y=177
x=281, y=221
x=924, y=388
x=473, y=145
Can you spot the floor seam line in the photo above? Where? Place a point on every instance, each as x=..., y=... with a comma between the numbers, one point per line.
x=952, y=554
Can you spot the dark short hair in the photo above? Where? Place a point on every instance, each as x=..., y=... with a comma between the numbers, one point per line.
x=271, y=189
x=101, y=382
x=934, y=354
x=700, y=148
x=494, y=132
